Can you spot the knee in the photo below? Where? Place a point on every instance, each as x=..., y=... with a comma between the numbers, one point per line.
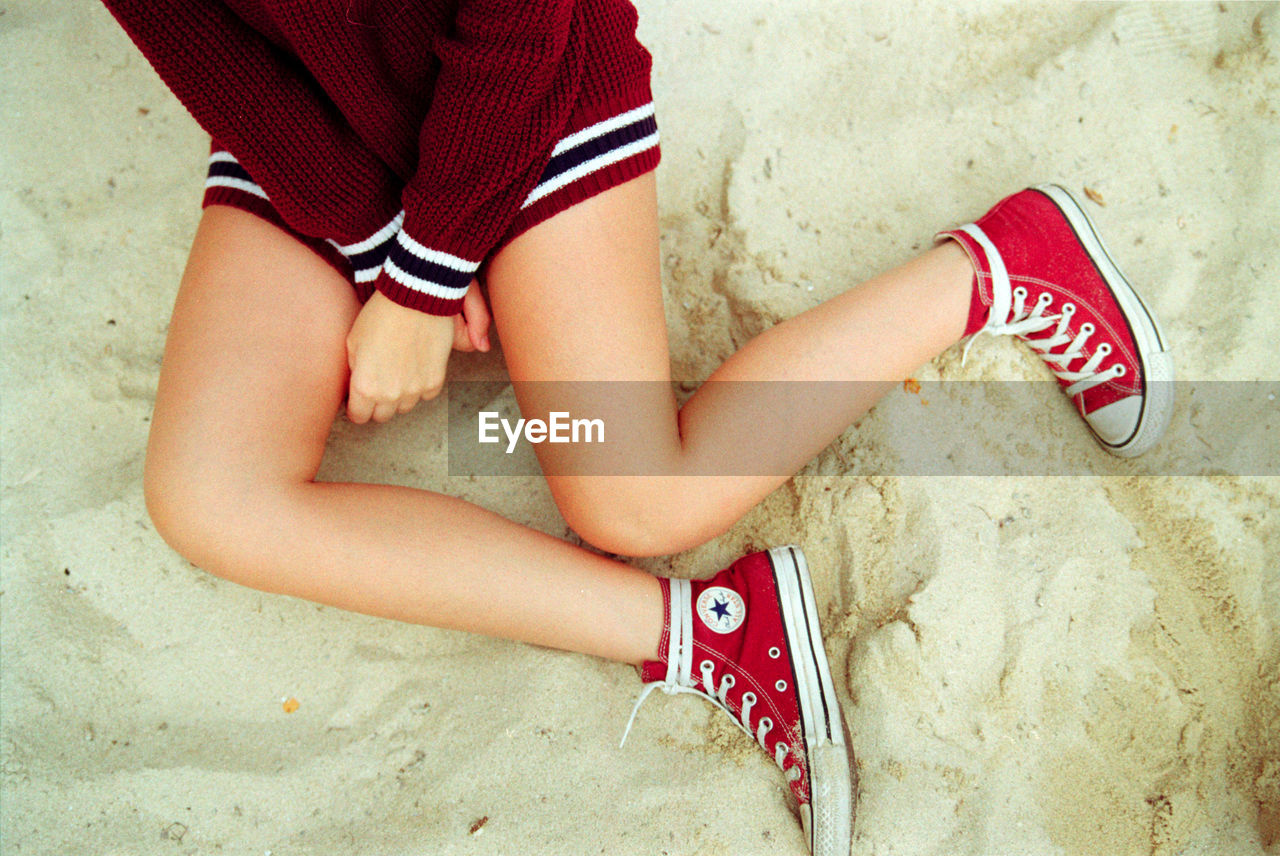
x=628, y=518
x=193, y=510
x=178, y=512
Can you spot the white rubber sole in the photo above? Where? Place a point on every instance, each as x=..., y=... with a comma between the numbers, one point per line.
x=833, y=775
x=1153, y=350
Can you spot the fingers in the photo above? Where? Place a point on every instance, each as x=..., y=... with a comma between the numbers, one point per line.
x=471, y=326
x=359, y=407
x=476, y=315
x=397, y=358
x=383, y=411
x=461, y=338
x=363, y=406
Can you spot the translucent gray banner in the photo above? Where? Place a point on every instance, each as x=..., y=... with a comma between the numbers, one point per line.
x=940, y=428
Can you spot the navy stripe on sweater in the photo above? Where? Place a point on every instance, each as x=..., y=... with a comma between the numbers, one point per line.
x=596, y=147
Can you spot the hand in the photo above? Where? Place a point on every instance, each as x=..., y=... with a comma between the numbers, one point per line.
x=471, y=326
x=398, y=356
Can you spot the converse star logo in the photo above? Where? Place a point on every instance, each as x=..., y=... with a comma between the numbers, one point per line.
x=721, y=609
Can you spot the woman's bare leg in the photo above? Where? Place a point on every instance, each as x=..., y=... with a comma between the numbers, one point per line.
x=254, y=373
x=578, y=298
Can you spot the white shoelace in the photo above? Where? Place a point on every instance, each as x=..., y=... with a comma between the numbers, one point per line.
x=1010, y=316
x=679, y=679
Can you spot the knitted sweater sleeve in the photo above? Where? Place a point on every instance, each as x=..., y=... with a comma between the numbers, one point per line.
x=232, y=79
x=509, y=79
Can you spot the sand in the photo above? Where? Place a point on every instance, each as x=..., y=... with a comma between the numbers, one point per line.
x=1031, y=665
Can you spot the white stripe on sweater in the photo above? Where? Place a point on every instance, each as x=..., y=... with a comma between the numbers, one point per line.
x=236, y=184
x=379, y=237
x=423, y=286
x=427, y=254
x=599, y=129
x=596, y=164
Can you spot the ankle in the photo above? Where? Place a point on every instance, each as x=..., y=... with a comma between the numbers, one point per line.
x=962, y=280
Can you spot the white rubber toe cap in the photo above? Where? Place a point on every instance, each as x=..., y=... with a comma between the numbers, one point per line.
x=1115, y=423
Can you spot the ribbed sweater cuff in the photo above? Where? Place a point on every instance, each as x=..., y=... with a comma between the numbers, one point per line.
x=366, y=256
x=425, y=279
x=406, y=271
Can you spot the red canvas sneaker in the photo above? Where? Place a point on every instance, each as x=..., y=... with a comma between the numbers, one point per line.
x=748, y=641
x=1044, y=275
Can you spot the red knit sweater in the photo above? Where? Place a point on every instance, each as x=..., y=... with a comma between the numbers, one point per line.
x=416, y=136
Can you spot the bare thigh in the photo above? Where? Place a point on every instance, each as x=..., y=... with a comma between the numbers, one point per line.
x=578, y=304
x=254, y=373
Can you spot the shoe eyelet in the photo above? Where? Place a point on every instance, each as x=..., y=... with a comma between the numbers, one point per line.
x=1020, y=291
x=1087, y=327
x=784, y=747
x=1044, y=299
x=1118, y=370
x=749, y=698
x=1104, y=349
x=727, y=682
x=764, y=724
x=780, y=686
x=1068, y=309
x=775, y=653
